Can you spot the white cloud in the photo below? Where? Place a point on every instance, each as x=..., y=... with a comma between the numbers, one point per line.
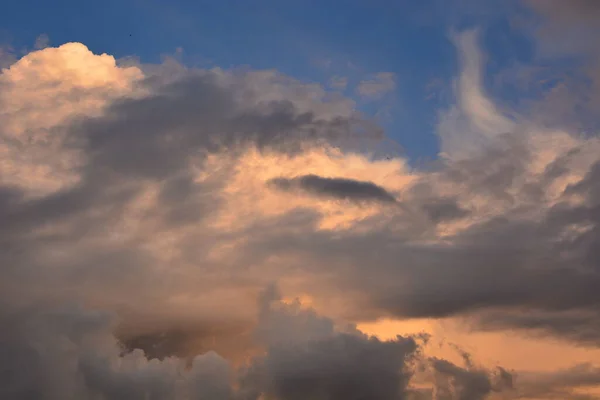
x=475, y=119
x=43, y=91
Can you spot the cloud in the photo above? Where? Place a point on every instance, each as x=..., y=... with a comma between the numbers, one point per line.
x=339, y=188
x=71, y=353
x=568, y=27
x=112, y=164
x=376, y=87
x=444, y=210
x=188, y=172
x=474, y=120
x=307, y=358
x=567, y=31
x=441, y=379
x=559, y=384
x=139, y=192
x=338, y=82
x=456, y=382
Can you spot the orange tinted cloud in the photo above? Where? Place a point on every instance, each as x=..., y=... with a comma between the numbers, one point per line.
x=152, y=200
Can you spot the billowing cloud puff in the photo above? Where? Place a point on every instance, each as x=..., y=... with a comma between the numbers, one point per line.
x=151, y=197
x=71, y=353
x=39, y=93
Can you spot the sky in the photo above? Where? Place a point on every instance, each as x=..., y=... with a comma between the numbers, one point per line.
x=317, y=41
x=246, y=200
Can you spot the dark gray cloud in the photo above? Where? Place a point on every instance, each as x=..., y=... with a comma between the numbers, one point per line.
x=64, y=353
x=456, y=382
x=155, y=136
x=231, y=341
x=70, y=353
x=338, y=188
x=465, y=380
x=441, y=210
x=468, y=382
x=307, y=358
x=343, y=367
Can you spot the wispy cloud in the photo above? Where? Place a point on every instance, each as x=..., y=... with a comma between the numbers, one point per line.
x=338, y=82
x=377, y=86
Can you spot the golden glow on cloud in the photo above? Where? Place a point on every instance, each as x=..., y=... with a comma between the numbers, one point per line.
x=249, y=197
x=43, y=90
x=197, y=260
x=508, y=349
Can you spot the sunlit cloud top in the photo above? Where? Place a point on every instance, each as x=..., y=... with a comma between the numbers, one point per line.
x=180, y=230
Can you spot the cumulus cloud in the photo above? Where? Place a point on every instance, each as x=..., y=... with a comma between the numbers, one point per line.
x=568, y=31
x=307, y=357
x=39, y=93
x=456, y=382
x=72, y=353
x=142, y=194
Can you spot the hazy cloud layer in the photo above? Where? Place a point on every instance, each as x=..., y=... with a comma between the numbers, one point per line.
x=141, y=194
x=568, y=26
x=569, y=31
x=377, y=86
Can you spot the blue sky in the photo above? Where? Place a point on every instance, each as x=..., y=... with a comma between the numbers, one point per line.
x=309, y=40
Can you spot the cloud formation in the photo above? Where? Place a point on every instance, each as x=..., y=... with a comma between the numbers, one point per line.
x=338, y=82
x=339, y=188
x=377, y=86
x=568, y=31
x=72, y=353
x=140, y=193
x=565, y=24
